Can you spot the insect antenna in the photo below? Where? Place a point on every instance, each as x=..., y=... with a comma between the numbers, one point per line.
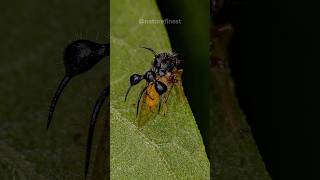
x=63, y=83
x=97, y=107
x=154, y=53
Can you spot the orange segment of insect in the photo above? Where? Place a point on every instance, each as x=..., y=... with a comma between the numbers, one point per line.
x=152, y=97
x=164, y=73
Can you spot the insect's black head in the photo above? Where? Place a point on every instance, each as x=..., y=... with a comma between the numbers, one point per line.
x=150, y=76
x=160, y=60
x=82, y=55
x=135, y=79
x=160, y=87
x=166, y=62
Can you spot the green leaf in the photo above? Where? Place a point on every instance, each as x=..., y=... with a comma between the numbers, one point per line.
x=167, y=147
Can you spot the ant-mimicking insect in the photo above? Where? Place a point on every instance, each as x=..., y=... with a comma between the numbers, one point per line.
x=166, y=71
x=79, y=57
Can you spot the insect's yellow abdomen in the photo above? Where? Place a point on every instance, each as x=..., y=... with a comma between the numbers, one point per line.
x=152, y=97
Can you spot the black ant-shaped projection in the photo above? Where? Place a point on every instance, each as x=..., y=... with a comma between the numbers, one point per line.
x=79, y=57
x=163, y=64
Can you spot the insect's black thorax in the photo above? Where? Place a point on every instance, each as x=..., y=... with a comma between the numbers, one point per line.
x=164, y=63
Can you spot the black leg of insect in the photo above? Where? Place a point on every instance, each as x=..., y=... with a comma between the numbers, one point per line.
x=165, y=72
x=79, y=57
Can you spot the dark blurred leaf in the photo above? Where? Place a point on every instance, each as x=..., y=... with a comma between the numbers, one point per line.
x=33, y=36
x=231, y=149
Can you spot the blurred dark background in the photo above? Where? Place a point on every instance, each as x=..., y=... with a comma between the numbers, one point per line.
x=270, y=47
